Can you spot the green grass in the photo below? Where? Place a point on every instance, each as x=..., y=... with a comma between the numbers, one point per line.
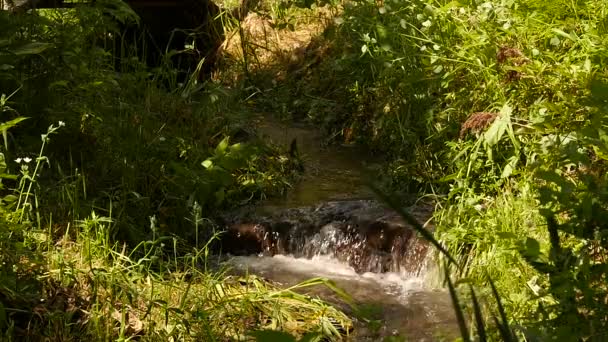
x=88, y=287
x=487, y=236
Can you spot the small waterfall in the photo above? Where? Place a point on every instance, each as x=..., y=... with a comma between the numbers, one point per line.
x=364, y=248
x=322, y=228
x=360, y=233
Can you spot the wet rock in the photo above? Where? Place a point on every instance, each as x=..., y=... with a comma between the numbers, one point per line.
x=363, y=233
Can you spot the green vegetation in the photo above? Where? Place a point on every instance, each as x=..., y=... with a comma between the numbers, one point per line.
x=497, y=109
x=105, y=231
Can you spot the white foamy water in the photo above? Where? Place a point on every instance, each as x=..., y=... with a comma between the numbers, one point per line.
x=289, y=270
x=408, y=305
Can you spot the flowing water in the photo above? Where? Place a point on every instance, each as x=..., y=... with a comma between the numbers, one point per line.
x=331, y=173
x=330, y=226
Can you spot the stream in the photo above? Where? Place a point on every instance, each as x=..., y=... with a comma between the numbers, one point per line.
x=329, y=225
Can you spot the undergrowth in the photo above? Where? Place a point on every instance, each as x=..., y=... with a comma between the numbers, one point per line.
x=87, y=287
x=105, y=228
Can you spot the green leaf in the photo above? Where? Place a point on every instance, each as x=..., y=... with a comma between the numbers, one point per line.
x=6, y=125
x=564, y=34
x=498, y=128
x=207, y=164
x=503, y=325
x=232, y=162
x=10, y=198
x=32, y=48
x=312, y=337
x=479, y=321
x=2, y=164
x=222, y=146
x=8, y=176
x=381, y=30
x=60, y=83
x=272, y=336
x=236, y=147
x=464, y=331
x=510, y=167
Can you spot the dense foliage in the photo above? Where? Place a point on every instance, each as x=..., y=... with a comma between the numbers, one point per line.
x=499, y=109
x=110, y=173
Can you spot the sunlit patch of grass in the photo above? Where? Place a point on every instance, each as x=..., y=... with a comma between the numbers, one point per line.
x=90, y=287
x=487, y=234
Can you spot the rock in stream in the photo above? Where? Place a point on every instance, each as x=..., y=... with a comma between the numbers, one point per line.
x=362, y=233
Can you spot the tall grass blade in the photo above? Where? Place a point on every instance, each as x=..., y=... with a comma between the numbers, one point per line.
x=327, y=283
x=503, y=326
x=464, y=332
x=479, y=322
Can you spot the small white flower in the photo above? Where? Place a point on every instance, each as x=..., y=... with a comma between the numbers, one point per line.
x=18, y=160
x=423, y=48
x=162, y=139
x=27, y=160
x=427, y=23
x=462, y=10
x=61, y=124
x=435, y=47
